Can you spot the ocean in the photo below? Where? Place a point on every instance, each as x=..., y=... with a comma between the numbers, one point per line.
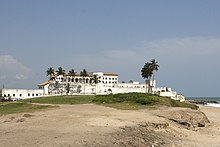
x=207, y=99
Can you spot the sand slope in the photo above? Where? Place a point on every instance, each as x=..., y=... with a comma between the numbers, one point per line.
x=93, y=125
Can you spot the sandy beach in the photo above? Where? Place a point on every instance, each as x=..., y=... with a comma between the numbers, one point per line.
x=94, y=125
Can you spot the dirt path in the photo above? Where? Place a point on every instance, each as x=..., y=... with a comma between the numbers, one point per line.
x=93, y=125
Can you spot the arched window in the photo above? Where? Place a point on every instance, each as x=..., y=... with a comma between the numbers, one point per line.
x=87, y=80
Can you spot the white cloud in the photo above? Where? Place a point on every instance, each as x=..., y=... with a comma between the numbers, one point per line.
x=190, y=46
x=20, y=77
x=13, y=68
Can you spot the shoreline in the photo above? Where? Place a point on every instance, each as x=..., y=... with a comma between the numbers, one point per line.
x=206, y=103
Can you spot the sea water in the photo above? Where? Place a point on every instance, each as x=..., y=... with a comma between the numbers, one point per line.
x=217, y=99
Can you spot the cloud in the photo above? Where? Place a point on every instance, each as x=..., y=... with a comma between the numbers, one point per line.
x=14, y=69
x=20, y=77
x=189, y=46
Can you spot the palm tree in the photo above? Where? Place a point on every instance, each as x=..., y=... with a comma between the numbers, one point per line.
x=72, y=72
x=155, y=66
x=50, y=72
x=147, y=71
x=95, y=80
x=84, y=74
x=60, y=71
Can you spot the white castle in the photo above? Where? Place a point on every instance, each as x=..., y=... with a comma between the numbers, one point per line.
x=75, y=84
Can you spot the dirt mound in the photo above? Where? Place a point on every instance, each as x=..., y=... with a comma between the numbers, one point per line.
x=141, y=135
x=188, y=118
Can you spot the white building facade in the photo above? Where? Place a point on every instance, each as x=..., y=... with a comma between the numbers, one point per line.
x=107, y=83
x=20, y=93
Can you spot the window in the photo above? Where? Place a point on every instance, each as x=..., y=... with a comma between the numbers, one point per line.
x=28, y=94
x=113, y=78
x=13, y=94
x=8, y=94
x=20, y=95
x=4, y=95
x=32, y=94
x=109, y=78
x=36, y=94
x=109, y=82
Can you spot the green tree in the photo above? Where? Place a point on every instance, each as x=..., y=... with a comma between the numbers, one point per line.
x=155, y=66
x=95, y=80
x=72, y=72
x=50, y=72
x=148, y=71
x=60, y=71
x=84, y=74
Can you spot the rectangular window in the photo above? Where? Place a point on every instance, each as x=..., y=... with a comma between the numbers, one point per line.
x=36, y=94
x=32, y=94
x=20, y=95
x=8, y=94
x=28, y=94
x=13, y=94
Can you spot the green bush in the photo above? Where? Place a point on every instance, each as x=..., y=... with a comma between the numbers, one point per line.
x=145, y=101
x=140, y=99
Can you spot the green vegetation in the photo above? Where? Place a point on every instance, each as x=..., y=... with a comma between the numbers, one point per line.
x=17, y=107
x=138, y=101
x=127, y=101
x=148, y=71
x=84, y=99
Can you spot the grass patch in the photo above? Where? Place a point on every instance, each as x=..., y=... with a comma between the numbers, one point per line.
x=129, y=101
x=138, y=101
x=17, y=107
x=85, y=99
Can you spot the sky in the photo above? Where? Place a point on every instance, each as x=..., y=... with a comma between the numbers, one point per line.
x=112, y=36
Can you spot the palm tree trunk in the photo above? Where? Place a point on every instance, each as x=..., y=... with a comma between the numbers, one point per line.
x=84, y=86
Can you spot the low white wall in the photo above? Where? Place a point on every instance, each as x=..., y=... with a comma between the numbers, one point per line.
x=22, y=93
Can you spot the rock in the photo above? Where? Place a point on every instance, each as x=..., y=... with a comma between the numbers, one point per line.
x=187, y=117
x=28, y=115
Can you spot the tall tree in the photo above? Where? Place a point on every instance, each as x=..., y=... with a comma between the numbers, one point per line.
x=50, y=72
x=95, y=80
x=84, y=74
x=147, y=71
x=72, y=72
x=60, y=71
x=155, y=66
